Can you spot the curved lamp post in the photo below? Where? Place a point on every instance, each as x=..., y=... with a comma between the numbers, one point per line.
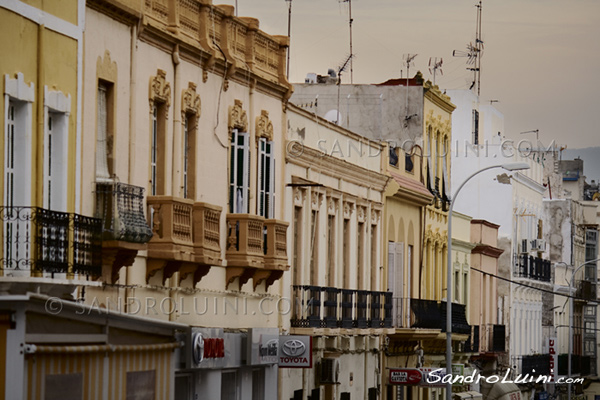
x=571, y=322
x=509, y=167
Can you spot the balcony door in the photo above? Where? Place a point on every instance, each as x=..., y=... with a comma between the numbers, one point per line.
x=17, y=190
x=396, y=282
x=55, y=162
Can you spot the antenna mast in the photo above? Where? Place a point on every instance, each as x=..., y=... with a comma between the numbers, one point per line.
x=474, y=53
x=341, y=69
x=408, y=59
x=350, y=20
x=435, y=65
x=289, y=36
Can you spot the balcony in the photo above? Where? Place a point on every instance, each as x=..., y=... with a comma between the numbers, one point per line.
x=256, y=248
x=431, y=314
x=540, y=363
x=124, y=229
x=186, y=238
x=37, y=242
x=329, y=307
x=472, y=343
x=580, y=365
x=533, y=268
x=493, y=339
x=586, y=290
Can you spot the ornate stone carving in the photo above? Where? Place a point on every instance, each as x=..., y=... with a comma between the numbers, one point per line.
x=106, y=69
x=160, y=91
x=299, y=196
x=264, y=126
x=237, y=117
x=190, y=101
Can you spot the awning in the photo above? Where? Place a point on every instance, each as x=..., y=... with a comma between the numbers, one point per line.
x=504, y=391
x=32, y=348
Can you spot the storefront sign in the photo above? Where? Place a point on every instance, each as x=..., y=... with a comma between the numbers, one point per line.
x=208, y=348
x=295, y=351
x=406, y=376
x=263, y=346
x=432, y=376
x=552, y=350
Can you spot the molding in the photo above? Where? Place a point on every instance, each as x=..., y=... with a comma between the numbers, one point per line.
x=160, y=90
x=307, y=157
x=433, y=93
x=238, y=119
x=106, y=68
x=190, y=101
x=18, y=89
x=530, y=183
x=485, y=223
x=57, y=101
x=487, y=250
x=41, y=17
x=264, y=126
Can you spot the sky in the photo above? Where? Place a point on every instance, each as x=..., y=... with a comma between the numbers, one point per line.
x=540, y=61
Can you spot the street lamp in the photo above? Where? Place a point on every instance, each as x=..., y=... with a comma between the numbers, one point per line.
x=571, y=322
x=509, y=167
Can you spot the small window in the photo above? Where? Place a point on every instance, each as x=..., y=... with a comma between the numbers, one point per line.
x=475, y=127
x=393, y=156
x=408, y=163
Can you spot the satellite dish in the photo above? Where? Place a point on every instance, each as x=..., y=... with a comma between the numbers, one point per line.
x=333, y=116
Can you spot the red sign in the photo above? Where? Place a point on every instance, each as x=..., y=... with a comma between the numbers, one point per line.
x=405, y=376
x=214, y=348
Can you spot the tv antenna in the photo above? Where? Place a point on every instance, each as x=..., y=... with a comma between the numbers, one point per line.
x=474, y=53
x=341, y=69
x=434, y=65
x=350, y=20
x=289, y=36
x=408, y=61
x=537, y=134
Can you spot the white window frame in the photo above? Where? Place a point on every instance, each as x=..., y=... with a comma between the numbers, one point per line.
x=239, y=192
x=266, y=187
x=186, y=154
x=102, y=171
x=396, y=280
x=154, y=150
x=57, y=108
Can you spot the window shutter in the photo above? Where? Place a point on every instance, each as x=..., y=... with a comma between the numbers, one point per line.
x=239, y=174
x=271, y=180
x=102, y=173
x=245, y=186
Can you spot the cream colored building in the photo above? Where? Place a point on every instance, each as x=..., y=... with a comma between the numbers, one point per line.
x=335, y=195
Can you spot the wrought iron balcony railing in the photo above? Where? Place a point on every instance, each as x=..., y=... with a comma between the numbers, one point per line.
x=36, y=241
x=121, y=208
x=580, y=365
x=586, y=290
x=431, y=314
x=534, y=365
x=329, y=307
x=533, y=268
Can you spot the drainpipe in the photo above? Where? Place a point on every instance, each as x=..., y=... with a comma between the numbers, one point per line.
x=132, y=131
x=176, y=153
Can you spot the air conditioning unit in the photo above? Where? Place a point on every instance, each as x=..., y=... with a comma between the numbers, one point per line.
x=525, y=246
x=329, y=371
x=538, y=245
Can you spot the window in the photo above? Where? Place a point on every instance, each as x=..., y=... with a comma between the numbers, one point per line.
x=258, y=384
x=374, y=269
x=9, y=163
x=330, y=250
x=189, y=156
x=55, y=387
x=55, y=162
x=408, y=162
x=296, y=260
x=475, y=127
x=103, y=134
x=360, y=255
x=239, y=178
x=393, y=156
x=314, y=243
x=266, y=178
x=158, y=147
x=457, y=298
x=346, y=254
x=17, y=160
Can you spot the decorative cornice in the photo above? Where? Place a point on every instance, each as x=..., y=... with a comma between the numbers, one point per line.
x=264, y=126
x=433, y=93
x=340, y=169
x=190, y=101
x=106, y=68
x=487, y=250
x=237, y=117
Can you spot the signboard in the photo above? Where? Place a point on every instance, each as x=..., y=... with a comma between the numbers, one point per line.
x=295, y=351
x=208, y=348
x=552, y=350
x=405, y=376
x=432, y=376
x=263, y=346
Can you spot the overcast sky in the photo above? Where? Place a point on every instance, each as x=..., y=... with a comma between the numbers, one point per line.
x=541, y=58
